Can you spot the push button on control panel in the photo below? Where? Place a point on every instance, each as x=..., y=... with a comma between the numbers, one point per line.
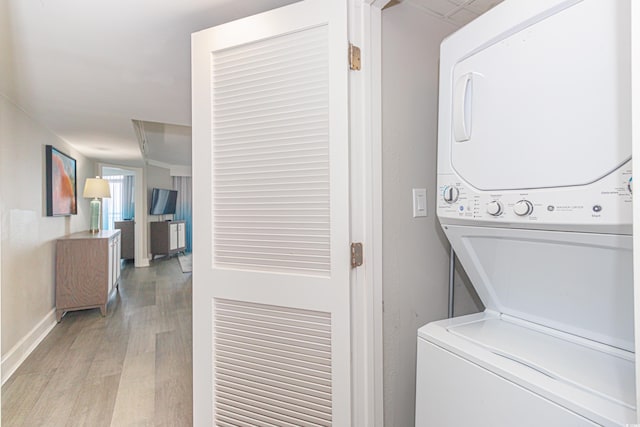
x=523, y=208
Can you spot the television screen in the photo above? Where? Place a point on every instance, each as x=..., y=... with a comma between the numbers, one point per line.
x=163, y=202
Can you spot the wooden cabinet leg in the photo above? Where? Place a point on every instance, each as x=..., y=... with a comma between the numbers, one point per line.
x=103, y=310
x=59, y=314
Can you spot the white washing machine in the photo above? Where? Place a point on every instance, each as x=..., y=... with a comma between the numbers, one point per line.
x=534, y=170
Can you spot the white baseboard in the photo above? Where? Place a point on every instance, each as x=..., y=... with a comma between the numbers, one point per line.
x=144, y=262
x=14, y=357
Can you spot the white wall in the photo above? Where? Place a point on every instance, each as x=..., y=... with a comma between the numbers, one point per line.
x=28, y=235
x=157, y=177
x=415, y=251
x=465, y=298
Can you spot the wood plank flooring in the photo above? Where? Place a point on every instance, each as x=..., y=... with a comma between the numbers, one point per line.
x=130, y=368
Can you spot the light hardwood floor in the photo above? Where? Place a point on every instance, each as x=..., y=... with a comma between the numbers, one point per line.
x=130, y=368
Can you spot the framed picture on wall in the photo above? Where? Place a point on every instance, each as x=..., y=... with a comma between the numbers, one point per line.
x=61, y=183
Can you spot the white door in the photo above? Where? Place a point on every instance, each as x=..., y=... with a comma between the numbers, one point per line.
x=173, y=236
x=111, y=278
x=271, y=317
x=117, y=257
x=181, y=235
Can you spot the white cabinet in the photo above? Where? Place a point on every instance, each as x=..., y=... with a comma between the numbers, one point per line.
x=167, y=237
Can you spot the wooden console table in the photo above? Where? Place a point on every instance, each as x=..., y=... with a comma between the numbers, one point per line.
x=127, y=238
x=87, y=270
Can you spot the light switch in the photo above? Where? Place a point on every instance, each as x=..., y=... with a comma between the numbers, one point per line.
x=419, y=202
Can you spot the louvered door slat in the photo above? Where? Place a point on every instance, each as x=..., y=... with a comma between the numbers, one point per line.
x=302, y=418
x=238, y=419
x=256, y=102
x=230, y=404
x=274, y=388
x=264, y=377
x=256, y=352
x=291, y=407
x=273, y=361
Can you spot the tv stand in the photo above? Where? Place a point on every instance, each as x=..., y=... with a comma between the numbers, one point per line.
x=167, y=237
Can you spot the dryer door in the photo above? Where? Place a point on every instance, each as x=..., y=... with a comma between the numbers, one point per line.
x=547, y=104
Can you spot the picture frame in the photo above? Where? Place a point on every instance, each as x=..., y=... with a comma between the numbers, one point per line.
x=62, y=195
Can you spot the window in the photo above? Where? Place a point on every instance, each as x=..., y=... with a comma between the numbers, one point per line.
x=112, y=207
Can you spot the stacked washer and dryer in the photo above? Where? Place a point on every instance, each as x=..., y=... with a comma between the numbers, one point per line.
x=534, y=171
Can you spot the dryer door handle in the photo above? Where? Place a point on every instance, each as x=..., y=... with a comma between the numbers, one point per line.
x=462, y=107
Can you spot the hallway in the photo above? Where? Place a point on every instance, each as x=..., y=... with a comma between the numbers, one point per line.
x=132, y=367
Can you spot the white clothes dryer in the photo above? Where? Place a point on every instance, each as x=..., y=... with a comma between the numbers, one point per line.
x=534, y=171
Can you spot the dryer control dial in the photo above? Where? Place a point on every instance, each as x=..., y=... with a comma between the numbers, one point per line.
x=523, y=208
x=494, y=208
x=450, y=194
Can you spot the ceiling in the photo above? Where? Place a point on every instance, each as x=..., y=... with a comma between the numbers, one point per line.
x=86, y=69
x=112, y=78
x=457, y=12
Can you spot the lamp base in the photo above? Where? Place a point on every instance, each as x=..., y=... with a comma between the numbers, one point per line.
x=95, y=216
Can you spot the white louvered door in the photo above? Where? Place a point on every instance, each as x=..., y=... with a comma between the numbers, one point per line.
x=271, y=219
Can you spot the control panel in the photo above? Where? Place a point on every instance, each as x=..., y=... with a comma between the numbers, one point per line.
x=606, y=202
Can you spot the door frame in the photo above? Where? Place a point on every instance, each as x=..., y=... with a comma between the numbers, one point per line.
x=365, y=31
x=635, y=150
x=140, y=223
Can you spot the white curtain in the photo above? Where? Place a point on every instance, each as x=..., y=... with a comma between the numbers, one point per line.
x=183, y=204
x=121, y=203
x=128, y=197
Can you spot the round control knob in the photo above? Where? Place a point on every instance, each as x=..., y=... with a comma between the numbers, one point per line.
x=494, y=208
x=630, y=185
x=523, y=208
x=450, y=194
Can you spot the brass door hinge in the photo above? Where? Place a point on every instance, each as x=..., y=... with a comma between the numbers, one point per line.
x=354, y=57
x=356, y=255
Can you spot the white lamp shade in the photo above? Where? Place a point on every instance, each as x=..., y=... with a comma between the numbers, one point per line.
x=96, y=187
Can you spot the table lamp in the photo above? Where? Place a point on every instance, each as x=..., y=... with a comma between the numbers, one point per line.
x=96, y=188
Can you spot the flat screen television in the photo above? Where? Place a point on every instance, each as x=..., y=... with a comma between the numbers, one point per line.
x=163, y=202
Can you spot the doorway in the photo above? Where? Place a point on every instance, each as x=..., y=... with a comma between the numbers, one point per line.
x=121, y=205
x=127, y=203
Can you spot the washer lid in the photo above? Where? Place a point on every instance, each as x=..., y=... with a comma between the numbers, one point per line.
x=547, y=103
x=569, y=362
x=594, y=381
x=578, y=283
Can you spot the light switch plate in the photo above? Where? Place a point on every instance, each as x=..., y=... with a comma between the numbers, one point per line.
x=419, y=202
